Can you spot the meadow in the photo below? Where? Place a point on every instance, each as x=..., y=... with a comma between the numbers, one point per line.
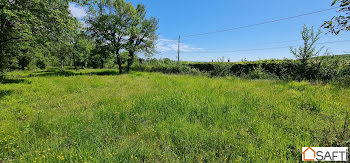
x=100, y=116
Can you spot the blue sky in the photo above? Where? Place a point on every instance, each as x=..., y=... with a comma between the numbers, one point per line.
x=186, y=17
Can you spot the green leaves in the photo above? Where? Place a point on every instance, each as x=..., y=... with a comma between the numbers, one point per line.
x=341, y=22
x=304, y=53
x=335, y=1
x=118, y=25
x=30, y=29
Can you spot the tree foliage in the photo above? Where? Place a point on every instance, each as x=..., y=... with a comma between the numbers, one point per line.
x=38, y=32
x=117, y=25
x=142, y=34
x=341, y=22
x=15, y=32
x=28, y=28
x=308, y=50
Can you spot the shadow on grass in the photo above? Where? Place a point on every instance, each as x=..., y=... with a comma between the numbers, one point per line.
x=4, y=93
x=58, y=72
x=14, y=81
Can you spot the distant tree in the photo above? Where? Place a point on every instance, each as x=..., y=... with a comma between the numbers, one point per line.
x=100, y=54
x=142, y=34
x=110, y=25
x=64, y=50
x=83, y=46
x=308, y=50
x=124, y=57
x=341, y=22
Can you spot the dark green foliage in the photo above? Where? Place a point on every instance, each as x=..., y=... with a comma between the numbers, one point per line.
x=344, y=57
x=307, y=66
x=164, y=66
x=2, y=75
x=82, y=49
x=309, y=104
x=326, y=68
x=118, y=25
x=24, y=61
x=221, y=68
x=259, y=73
x=40, y=63
x=32, y=29
x=98, y=57
x=15, y=32
x=202, y=66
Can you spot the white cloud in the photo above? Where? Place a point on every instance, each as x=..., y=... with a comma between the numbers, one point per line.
x=166, y=45
x=77, y=11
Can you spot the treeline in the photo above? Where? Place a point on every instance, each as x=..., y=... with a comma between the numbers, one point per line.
x=309, y=65
x=330, y=69
x=40, y=33
x=35, y=33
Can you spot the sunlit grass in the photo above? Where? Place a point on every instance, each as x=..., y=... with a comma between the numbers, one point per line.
x=97, y=115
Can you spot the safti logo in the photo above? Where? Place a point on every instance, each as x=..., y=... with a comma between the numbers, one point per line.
x=325, y=154
x=309, y=154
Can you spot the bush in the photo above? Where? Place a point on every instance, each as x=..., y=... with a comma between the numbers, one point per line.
x=221, y=69
x=259, y=73
x=2, y=75
x=164, y=66
x=40, y=63
x=325, y=68
x=24, y=61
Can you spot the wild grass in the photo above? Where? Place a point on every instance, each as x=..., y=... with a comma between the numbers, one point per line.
x=98, y=116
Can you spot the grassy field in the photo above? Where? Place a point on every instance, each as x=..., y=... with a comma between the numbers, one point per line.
x=97, y=115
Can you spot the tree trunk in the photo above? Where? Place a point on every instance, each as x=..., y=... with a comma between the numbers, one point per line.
x=119, y=61
x=75, y=62
x=130, y=60
x=62, y=63
x=102, y=64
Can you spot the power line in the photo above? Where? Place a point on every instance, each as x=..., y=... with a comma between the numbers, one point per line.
x=262, y=23
x=288, y=41
x=261, y=49
x=258, y=49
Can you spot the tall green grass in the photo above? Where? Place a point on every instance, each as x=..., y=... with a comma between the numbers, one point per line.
x=89, y=116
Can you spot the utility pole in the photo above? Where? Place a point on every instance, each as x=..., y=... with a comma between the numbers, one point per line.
x=178, y=50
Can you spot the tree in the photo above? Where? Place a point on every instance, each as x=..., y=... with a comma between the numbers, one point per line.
x=341, y=22
x=82, y=46
x=110, y=25
x=64, y=38
x=15, y=33
x=303, y=53
x=100, y=55
x=26, y=25
x=142, y=34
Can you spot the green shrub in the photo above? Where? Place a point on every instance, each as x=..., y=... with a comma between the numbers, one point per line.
x=40, y=63
x=221, y=69
x=164, y=66
x=259, y=73
x=309, y=105
x=325, y=69
x=2, y=75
